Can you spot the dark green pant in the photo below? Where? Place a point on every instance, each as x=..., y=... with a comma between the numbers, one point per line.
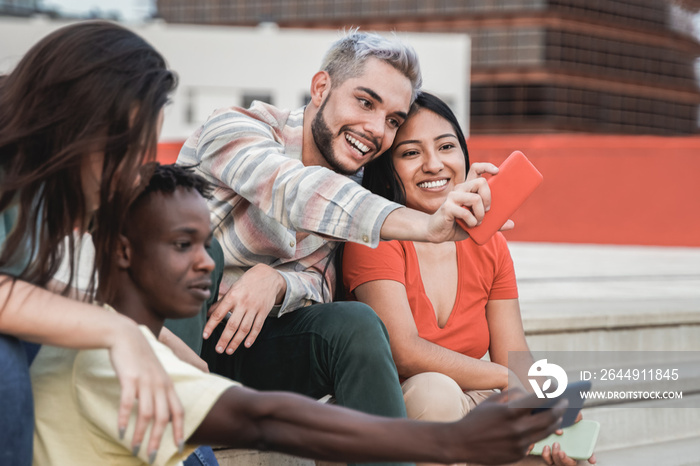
x=337, y=348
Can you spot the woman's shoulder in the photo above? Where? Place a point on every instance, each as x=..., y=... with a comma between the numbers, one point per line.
x=388, y=255
x=362, y=264
x=391, y=247
x=494, y=247
x=496, y=241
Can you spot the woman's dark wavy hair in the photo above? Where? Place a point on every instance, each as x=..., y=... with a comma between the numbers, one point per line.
x=380, y=175
x=86, y=88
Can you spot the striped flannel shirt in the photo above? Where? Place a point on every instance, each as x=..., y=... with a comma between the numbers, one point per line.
x=267, y=207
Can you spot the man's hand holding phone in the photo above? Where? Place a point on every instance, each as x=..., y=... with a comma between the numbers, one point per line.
x=509, y=186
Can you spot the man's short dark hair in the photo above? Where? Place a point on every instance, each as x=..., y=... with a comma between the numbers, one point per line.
x=167, y=178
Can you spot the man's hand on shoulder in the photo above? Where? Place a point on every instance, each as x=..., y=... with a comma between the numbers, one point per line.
x=249, y=301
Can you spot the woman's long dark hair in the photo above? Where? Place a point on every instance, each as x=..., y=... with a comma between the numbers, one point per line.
x=91, y=87
x=380, y=175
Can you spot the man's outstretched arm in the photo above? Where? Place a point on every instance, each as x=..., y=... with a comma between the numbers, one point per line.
x=469, y=201
x=493, y=433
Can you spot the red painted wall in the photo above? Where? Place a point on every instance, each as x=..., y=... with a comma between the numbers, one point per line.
x=167, y=151
x=605, y=189
x=597, y=189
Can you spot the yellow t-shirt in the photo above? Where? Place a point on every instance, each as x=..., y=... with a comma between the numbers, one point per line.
x=76, y=398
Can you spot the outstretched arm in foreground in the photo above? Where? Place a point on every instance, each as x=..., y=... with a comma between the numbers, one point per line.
x=493, y=433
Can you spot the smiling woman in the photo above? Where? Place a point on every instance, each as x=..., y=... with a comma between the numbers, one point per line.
x=444, y=305
x=431, y=166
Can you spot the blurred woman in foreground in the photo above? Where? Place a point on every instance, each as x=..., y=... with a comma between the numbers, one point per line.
x=79, y=115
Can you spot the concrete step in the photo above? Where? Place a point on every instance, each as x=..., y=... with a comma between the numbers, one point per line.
x=679, y=452
x=230, y=457
x=609, y=298
x=688, y=384
x=631, y=371
x=630, y=321
x=657, y=337
x=553, y=260
x=645, y=423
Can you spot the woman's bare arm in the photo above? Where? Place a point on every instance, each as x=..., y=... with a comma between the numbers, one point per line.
x=40, y=316
x=507, y=335
x=414, y=354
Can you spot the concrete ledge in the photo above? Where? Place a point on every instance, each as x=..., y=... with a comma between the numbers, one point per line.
x=231, y=457
x=681, y=452
x=644, y=423
x=237, y=457
x=568, y=288
x=661, y=338
x=554, y=317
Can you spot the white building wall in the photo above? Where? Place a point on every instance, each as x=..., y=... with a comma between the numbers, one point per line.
x=220, y=66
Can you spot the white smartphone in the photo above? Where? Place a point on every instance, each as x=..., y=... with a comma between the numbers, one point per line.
x=577, y=441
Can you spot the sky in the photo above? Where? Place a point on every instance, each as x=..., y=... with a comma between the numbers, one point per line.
x=129, y=10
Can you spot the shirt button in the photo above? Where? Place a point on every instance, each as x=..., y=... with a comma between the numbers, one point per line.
x=291, y=244
x=365, y=238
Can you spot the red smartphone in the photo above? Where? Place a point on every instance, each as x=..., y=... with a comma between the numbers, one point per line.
x=517, y=178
